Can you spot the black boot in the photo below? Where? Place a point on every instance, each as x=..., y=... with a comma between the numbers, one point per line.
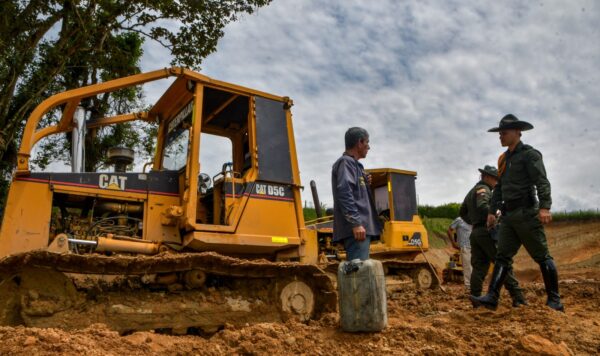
x=516, y=293
x=490, y=300
x=550, y=275
x=518, y=300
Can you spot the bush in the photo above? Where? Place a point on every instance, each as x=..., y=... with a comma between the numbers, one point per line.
x=581, y=215
x=436, y=229
x=447, y=211
x=309, y=214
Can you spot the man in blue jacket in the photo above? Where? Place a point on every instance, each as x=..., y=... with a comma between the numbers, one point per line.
x=355, y=220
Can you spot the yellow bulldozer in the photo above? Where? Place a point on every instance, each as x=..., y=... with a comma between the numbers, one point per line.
x=172, y=247
x=404, y=236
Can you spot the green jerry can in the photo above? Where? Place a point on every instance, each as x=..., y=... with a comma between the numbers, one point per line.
x=362, y=299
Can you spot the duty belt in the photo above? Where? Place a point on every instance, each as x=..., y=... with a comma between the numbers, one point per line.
x=511, y=205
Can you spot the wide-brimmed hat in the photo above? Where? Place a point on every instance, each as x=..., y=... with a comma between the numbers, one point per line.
x=510, y=121
x=489, y=170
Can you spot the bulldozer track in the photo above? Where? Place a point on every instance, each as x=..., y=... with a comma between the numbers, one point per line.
x=209, y=262
x=16, y=269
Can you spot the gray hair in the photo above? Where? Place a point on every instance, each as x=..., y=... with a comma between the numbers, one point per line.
x=353, y=135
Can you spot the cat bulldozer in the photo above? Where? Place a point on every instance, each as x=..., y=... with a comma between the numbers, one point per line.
x=167, y=247
x=404, y=239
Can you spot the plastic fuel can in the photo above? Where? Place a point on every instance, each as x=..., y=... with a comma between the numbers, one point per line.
x=362, y=299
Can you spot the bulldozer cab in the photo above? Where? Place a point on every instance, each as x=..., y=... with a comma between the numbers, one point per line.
x=394, y=193
x=396, y=203
x=224, y=176
x=252, y=192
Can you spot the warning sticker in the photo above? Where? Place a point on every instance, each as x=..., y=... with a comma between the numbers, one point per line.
x=279, y=240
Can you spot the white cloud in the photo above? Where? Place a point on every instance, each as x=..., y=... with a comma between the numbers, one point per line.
x=427, y=79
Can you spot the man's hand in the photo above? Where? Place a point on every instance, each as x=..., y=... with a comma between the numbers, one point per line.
x=491, y=221
x=369, y=179
x=545, y=216
x=360, y=234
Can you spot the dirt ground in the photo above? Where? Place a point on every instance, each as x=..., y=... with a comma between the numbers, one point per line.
x=420, y=322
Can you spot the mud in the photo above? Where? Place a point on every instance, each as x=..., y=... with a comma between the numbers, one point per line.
x=428, y=322
x=420, y=322
x=42, y=289
x=574, y=246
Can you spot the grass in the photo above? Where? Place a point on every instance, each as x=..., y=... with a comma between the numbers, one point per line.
x=580, y=215
x=436, y=229
x=309, y=214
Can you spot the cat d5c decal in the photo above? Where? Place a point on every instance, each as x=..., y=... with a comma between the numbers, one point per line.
x=272, y=192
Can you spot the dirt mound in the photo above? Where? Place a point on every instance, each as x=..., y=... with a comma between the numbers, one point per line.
x=420, y=322
x=575, y=247
x=426, y=322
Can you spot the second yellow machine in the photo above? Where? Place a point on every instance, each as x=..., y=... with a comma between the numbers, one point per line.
x=404, y=239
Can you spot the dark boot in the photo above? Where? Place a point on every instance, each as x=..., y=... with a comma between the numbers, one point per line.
x=490, y=300
x=518, y=300
x=516, y=293
x=550, y=275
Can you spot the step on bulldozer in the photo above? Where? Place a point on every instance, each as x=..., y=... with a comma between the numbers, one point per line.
x=404, y=237
x=169, y=247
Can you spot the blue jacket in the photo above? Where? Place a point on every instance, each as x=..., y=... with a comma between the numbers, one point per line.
x=353, y=203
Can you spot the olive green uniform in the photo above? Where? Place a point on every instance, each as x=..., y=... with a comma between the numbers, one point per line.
x=474, y=209
x=522, y=174
x=522, y=181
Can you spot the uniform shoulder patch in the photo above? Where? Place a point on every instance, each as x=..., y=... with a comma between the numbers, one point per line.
x=481, y=193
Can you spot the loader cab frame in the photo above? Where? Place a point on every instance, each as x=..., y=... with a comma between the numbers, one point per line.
x=254, y=126
x=395, y=197
x=395, y=194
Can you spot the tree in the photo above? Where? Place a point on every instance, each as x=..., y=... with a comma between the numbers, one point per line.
x=48, y=46
x=120, y=58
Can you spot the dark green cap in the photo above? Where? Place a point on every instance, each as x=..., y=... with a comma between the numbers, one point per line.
x=489, y=170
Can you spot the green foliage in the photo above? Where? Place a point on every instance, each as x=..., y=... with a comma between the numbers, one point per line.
x=448, y=211
x=120, y=57
x=50, y=46
x=436, y=230
x=309, y=214
x=580, y=215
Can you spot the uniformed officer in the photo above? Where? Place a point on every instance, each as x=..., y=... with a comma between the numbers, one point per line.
x=475, y=209
x=523, y=194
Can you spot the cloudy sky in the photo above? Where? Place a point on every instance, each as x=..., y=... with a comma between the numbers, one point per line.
x=427, y=79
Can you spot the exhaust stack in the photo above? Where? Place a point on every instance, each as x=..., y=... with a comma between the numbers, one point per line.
x=78, y=141
x=313, y=189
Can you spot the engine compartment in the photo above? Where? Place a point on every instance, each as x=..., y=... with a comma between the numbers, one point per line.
x=88, y=218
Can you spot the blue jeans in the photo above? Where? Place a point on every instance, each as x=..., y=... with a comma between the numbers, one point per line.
x=357, y=249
